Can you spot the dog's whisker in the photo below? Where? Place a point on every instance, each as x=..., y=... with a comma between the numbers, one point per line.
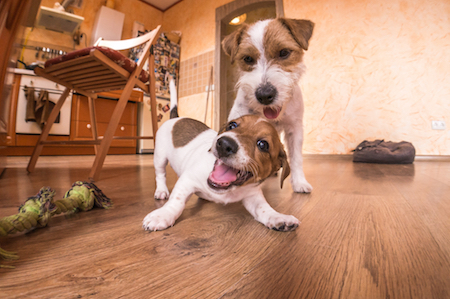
x=252, y=165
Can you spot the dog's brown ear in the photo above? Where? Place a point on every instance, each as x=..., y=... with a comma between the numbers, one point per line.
x=230, y=43
x=301, y=30
x=285, y=165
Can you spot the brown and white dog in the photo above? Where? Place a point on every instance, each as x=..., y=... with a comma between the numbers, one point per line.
x=269, y=55
x=223, y=167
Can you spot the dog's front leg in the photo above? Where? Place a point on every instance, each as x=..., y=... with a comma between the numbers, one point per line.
x=166, y=216
x=264, y=213
x=160, y=160
x=294, y=140
x=239, y=107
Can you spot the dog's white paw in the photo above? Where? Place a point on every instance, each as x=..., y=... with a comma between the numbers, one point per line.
x=159, y=219
x=283, y=223
x=162, y=193
x=301, y=186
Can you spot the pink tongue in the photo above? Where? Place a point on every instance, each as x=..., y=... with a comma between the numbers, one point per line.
x=223, y=174
x=271, y=113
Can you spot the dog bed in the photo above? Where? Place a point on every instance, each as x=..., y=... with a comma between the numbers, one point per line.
x=380, y=151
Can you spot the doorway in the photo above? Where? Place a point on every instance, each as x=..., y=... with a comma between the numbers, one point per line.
x=225, y=73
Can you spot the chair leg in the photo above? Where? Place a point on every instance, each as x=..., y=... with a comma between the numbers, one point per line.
x=110, y=130
x=152, y=88
x=46, y=130
x=93, y=122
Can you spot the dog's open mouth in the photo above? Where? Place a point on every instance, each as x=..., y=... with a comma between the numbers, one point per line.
x=271, y=113
x=223, y=176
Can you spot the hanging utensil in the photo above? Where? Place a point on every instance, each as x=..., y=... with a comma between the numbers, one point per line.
x=31, y=66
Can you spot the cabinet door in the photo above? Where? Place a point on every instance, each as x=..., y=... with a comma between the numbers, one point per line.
x=104, y=109
x=81, y=126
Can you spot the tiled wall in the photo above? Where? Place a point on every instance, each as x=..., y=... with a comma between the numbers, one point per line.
x=195, y=74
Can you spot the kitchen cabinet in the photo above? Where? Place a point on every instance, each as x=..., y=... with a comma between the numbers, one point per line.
x=80, y=126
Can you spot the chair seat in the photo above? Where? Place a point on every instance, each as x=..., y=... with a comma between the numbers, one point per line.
x=118, y=58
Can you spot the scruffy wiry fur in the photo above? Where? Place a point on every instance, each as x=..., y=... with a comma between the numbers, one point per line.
x=269, y=55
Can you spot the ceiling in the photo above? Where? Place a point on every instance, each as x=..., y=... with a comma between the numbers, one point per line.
x=162, y=5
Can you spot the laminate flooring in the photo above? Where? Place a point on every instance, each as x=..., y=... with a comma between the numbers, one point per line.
x=367, y=231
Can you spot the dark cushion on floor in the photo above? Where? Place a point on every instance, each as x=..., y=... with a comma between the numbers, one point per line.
x=382, y=152
x=118, y=58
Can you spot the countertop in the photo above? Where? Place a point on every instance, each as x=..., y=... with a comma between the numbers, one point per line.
x=23, y=72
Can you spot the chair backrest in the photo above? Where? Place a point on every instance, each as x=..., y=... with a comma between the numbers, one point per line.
x=128, y=43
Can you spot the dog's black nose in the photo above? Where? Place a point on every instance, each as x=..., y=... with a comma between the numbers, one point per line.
x=266, y=94
x=226, y=146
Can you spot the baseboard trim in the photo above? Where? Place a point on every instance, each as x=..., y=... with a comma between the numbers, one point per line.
x=418, y=158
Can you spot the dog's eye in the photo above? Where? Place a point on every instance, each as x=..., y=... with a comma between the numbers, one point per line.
x=232, y=125
x=284, y=53
x=248, y=59
x=263, y=145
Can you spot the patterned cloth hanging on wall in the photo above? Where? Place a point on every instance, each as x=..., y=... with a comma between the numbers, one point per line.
x=167, y=63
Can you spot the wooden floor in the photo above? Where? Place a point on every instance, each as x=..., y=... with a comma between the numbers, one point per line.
x=367, y=231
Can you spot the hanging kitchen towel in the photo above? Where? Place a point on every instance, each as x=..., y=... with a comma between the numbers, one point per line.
x=382, y=152
x=43, y=108
x=31, y=104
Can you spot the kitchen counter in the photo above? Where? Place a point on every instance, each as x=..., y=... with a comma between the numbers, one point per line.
x=74, y=122
x=23, y=72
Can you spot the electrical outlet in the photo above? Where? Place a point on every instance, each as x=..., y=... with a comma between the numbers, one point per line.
x=438, y=125
x=207, y=87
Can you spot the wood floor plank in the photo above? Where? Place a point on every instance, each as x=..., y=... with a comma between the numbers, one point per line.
x=428, y=195
x=354, y=246
x=367, y=231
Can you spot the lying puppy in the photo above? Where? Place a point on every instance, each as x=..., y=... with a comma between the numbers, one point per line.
x=224, y=168
x=269, y=55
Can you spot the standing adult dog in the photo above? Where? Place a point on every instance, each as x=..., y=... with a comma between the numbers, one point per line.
x=269, y=55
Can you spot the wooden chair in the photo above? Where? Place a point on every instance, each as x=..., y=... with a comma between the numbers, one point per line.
x=91, y=74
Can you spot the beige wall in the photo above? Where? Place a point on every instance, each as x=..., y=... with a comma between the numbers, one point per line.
x=375, y=69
